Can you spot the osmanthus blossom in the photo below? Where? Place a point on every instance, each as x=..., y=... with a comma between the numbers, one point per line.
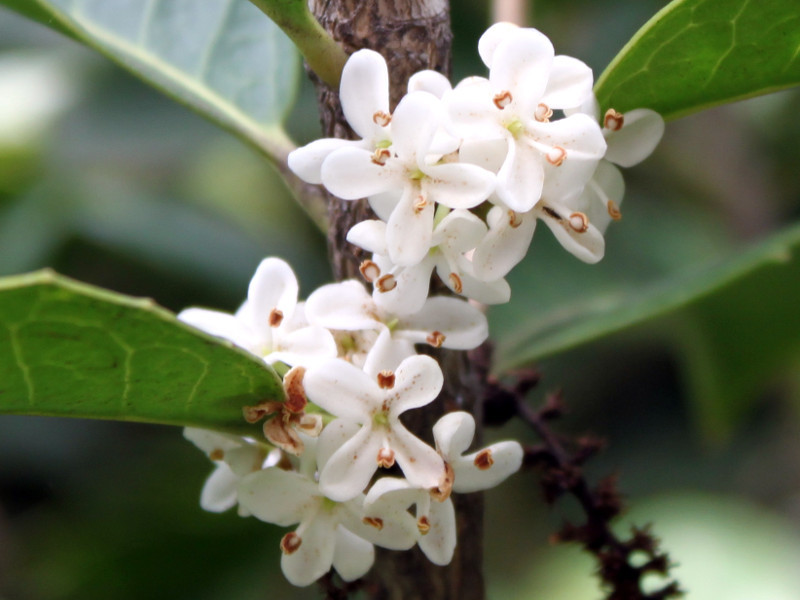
x=364, y=96
x=270, y=323
x=403, y=290
x=374, y=401
x=410, y=175
x=514, y=105
x=329, y=533
x=235, y=457
x=441, y=322
x=434, y=509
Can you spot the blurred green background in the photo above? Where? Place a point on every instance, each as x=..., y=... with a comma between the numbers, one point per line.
x=108, y=182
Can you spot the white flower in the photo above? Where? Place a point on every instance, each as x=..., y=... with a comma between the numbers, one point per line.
x=436, y=519
x=375, y=401
x=441, y=322
x=480, y=470
x=270, y=323
x=235, y=457
x=329, y=533
x=526, y=82
x=364, y=95
x=409, y=176
x=404, y=290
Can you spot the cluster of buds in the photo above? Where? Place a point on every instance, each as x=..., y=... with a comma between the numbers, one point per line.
x=458, y=177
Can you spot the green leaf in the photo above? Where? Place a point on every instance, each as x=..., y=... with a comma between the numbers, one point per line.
x=223, y=58
x=35, y=12
x=695, y=54
x=72, y=350
x=769, y=267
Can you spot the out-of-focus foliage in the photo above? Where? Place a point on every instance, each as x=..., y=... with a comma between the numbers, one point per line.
x=125, y=189
x=221, y=58
x=73, y=350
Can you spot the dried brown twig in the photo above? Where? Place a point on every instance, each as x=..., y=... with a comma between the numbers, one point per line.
x=622, y=563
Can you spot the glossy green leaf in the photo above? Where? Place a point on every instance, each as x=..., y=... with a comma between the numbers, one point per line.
x=223, y=58
x=35, y=12
x=695, y=54
x=72, y=350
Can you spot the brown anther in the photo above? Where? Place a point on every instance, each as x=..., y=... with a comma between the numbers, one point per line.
x=216, y=454
x=290, y=543
x=253, y=414
x=295, y=392
x=613, y=120
x=386, y=458
x=375, y=522
x=419, y=204
x=442, y=491
x=386, y=283
x=556, y=156
x=502, y=99
x=483, y=460
x=424, y=524
x=275, y=317
x=381, y=119
x=455, y=281
x=613, y=210
x=514, y=220
x=369, y=270
x=579, y=222
x=386, y=380
x=543, y=113
x=436, y=339
x=380, y=156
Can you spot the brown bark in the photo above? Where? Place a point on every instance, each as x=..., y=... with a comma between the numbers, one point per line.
x=411, y=35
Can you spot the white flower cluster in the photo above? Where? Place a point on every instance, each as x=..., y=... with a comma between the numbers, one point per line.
x=458, y=178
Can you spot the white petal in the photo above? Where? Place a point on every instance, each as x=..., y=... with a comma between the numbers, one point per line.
x=414, y=124
x=504, y=246
x=384, y=203
x=343, y=390
x=305, y=347
x=411, y=291
x=453, y=434
x=277, y=496
x=274, y=286
x=350, y=468
x=421, y=464
x=350, y=174
x=472, y=110
x=458, y=185
x=314, y=557
x=306, y=162
x=409, y=230
x=589, y=246
x=429, y=81
x=222, y=325
x=460, y=231
x=579, y=135
x=640, y=134
x=364, y=90
x=506, y=457
x=353, y=556
x=369, y=235
x=440, y=541
x=212, y=442
x=463, y=325
x=520, y=179
x=399, y=529
x=521, y=65
x=569, y=84
x=487, y=292
x=387, y=353
x=333, y=437
x=488, y=154
x=418, y=380
x=606, y=185
x=219, y=490
x=491, y=38
x=346, y=305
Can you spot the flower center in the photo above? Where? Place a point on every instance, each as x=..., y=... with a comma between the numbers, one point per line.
x=516, y=127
